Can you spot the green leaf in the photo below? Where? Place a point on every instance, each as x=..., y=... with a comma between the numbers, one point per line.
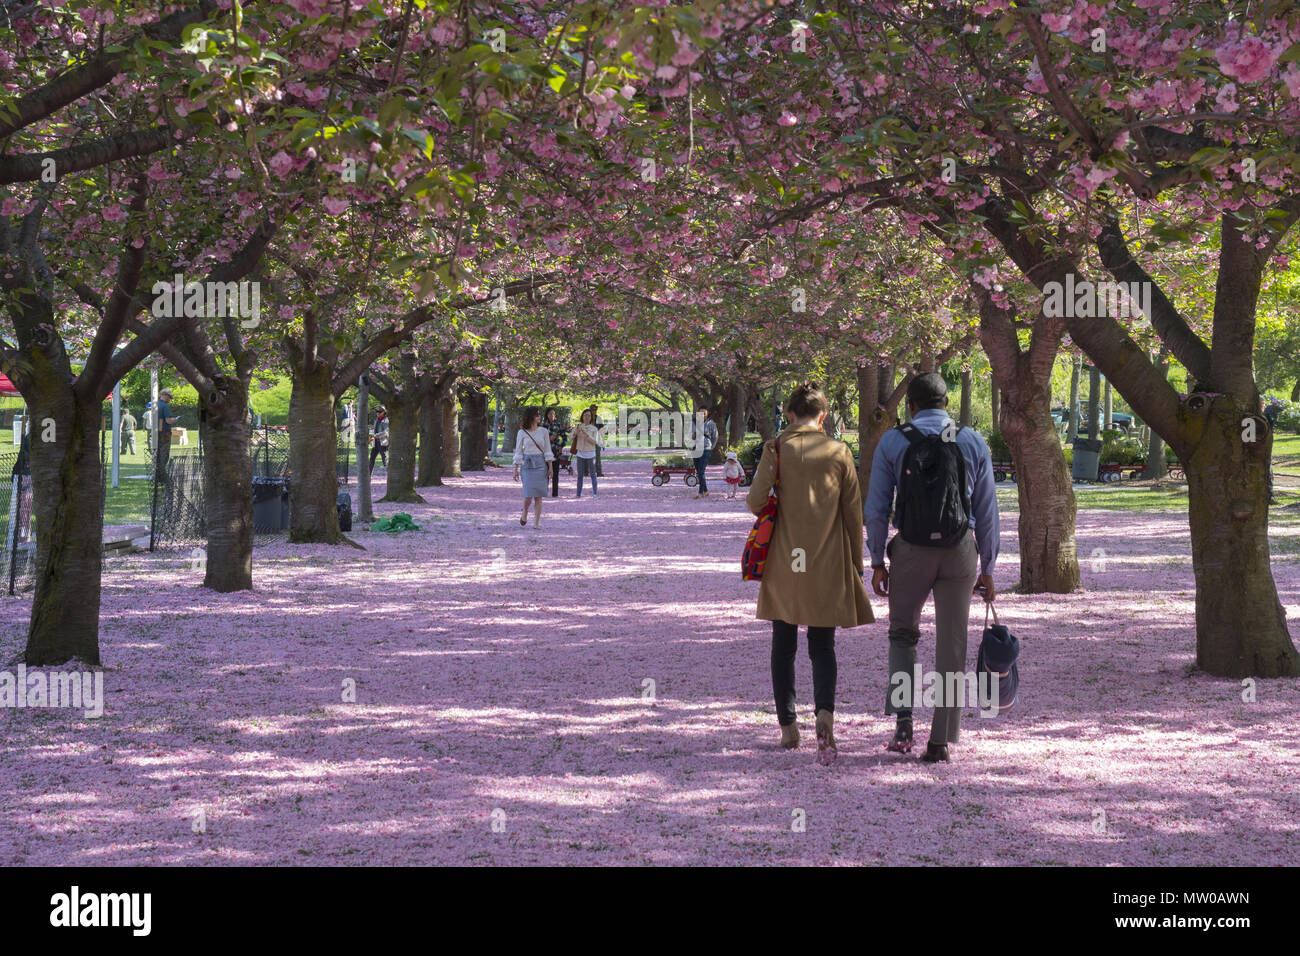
x=390, y=111
x=421, y=139
x=1211, y=156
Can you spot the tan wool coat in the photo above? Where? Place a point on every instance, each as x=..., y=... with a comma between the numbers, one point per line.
x=819, y=510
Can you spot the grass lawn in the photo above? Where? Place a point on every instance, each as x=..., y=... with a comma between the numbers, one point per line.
x=130, y=501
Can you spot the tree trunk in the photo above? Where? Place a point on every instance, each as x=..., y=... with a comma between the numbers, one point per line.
x=402, y=410
x=474, y=452
x=313, y=485
x=365, y=500
x=512, y=412
x=997, y=407
x=965, y=419
x=429, y=473
x=1022, y=379
x=1072, y=429
x=1048, y=562
x=846, y=409
x=1295, y=391
x=1094, y=405
x=739, y=412
x=1241, y=628
x=224, y=430
x=867, y=388
x=450, y=437
x=877, y=414
x=1156, y=467
x=68, y=521
x=1108, y=410
x=762, y=417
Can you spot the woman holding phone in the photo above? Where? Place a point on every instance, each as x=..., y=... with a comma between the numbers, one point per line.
x=586, y=445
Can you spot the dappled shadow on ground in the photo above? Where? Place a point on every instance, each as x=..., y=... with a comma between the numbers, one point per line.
x=597, y=691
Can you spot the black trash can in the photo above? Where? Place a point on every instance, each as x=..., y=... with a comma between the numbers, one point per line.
x=344, y=506
x=270, y=504
x=1087, y=459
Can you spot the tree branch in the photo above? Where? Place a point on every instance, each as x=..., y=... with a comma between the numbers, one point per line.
x=96, y=72
x=118, y=309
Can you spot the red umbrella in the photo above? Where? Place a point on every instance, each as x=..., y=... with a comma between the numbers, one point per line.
x=7, y=388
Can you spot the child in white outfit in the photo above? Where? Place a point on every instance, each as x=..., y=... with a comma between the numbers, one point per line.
x=732, y=472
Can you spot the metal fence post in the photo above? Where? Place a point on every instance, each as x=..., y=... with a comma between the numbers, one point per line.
x=15, y=509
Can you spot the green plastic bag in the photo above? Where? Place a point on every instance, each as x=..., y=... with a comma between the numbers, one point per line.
x=398, y=522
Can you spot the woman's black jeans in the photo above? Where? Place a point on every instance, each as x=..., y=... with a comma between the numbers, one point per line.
x=821, y=648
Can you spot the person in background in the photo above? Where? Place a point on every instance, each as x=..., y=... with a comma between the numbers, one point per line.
x=165, y=422
x=586, y=446
x=732, y=473
x=939, y=457
x=703, y=436
x=127, y=432
x=532, y=452
x=379, y=438
x=559, y=434
x=813, y=575
x=146, y=422
x=595, y=420
x=348, y=426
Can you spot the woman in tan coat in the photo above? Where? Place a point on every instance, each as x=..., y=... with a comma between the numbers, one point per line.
x=813, y=575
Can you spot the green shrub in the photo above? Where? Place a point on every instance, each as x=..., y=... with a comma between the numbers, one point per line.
x=1289, y=419
x=998, y=447
x=674, y=461
x=1122, y=451
x=750, y=454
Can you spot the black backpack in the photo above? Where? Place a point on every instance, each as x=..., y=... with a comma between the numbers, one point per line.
x=933, y=504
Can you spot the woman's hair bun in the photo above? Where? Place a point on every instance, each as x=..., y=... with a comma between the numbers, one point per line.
x=807, y=401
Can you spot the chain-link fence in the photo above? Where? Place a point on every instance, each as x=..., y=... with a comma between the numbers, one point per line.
x=177, y=513
x=158, y=502
x=18, y=563
x=271, y=454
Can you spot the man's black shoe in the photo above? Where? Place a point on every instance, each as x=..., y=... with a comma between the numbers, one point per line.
x=902, y=742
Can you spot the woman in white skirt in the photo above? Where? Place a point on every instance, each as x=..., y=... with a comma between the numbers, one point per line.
x=532, y=454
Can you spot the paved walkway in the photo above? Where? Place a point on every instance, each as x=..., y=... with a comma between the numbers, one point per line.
x=598, y=692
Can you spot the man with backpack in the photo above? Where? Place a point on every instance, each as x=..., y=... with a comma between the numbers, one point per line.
x=939, y=478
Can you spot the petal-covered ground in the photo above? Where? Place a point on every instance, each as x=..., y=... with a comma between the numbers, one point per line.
x=597, y=692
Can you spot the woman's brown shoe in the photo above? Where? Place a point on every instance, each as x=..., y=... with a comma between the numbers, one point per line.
x=790, y=737
x=826, y=751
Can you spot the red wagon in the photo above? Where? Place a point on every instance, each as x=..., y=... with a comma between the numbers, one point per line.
x=1110, y=473
x=664, y=473
x=1133, y=471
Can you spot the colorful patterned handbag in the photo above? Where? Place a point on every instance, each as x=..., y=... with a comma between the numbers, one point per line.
x=754, y=557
